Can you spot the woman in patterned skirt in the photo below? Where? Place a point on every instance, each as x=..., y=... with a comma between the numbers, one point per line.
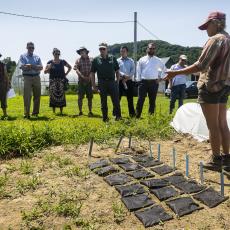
x=57, y=80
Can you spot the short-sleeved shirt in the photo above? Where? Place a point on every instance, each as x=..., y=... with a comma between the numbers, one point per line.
x=105, y=67
x=84, y=66
x=30, y=59
x=214, y=63
x=58, y=69
x=179, y=79
x=127, y=66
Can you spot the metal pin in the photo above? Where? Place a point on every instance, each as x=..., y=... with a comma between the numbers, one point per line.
x=187, y=165
x=91, y=146
x=222, y=183
x=174, y=158
x=130, y=141
x=150, y=149
x=159, y=152
x=201, y=172
x=119, y=142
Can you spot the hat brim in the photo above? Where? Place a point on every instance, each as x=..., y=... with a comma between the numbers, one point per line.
x=79, y=51
x=103, y=47
x=204, y=26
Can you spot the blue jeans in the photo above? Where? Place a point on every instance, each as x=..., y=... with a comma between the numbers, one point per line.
x=177, y=92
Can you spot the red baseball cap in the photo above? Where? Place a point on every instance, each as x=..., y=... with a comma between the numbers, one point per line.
x=212, y=15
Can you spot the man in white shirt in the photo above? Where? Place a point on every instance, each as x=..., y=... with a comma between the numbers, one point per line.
x=150, y=69
x=177, y=84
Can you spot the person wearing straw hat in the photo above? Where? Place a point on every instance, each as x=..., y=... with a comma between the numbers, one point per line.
x=4, y=86
x=213, y=86
x=178, y=84
x=83, y=67
x=107, y=69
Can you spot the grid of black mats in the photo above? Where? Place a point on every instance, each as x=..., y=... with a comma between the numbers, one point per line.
x=134, y=181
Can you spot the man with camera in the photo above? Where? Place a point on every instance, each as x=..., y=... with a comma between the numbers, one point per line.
x=127, y=69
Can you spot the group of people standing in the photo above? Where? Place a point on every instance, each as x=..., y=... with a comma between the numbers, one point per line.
x=115, y=76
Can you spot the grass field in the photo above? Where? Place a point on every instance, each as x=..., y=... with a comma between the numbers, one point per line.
x=22, y=137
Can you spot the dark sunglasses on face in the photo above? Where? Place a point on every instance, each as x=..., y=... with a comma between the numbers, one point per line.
x=56, y=53
x=152, y=48
x=31, y=48
x=102, y=49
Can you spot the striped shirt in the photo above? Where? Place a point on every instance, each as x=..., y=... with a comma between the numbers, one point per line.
x=214, y=63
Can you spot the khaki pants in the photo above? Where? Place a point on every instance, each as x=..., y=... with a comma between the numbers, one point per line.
x=32, y=84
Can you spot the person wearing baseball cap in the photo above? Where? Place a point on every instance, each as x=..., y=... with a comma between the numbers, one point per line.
x=178, y=84
x=83, y=67
x=214, y=86
x=107, y=69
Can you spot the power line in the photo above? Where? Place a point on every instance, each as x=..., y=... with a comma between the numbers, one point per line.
x=155, y=36
x=64, y=20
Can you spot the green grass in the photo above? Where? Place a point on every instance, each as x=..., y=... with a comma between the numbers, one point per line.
x=23, y=137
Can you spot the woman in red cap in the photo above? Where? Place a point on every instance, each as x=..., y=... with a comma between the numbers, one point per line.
x=214, y=85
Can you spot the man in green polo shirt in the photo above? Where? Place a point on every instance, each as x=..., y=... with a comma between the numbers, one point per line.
x=106, y=67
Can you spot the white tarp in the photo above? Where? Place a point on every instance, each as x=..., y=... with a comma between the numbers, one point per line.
x=190, y=119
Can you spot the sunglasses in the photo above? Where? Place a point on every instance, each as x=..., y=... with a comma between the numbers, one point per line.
x=31, y=48
x=102, y=49
x=152, y=48
x=56, y=53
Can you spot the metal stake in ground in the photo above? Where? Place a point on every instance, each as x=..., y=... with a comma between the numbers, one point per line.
x=159, y=152
x=150, y=149
x=119, y=142
x=187, y=165
x=222, y=183
x=174, y=158
x=91, y=146
x=201, y=172
x=130, y=141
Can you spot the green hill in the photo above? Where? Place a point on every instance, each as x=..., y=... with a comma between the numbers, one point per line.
x=164, y=49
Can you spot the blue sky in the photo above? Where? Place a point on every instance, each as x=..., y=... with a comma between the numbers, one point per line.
x=172, y=21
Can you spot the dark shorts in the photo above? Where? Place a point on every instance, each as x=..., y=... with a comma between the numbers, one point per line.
x=85, y=89
x=204, y=96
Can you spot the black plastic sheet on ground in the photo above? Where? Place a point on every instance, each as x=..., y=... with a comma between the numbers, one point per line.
x=139, y=174
x=155, y=183
x=117, y=179
x=121, y=160
x=175, y=178
x=128, y=190
x=142, y=158
x=210, y=197
x=106, y=171
x=150, y=163
x=165, y=193
x=190, y=186
x=183, y=206
x=130, y=167
x=98, y=164
x=153, y=216
x=162, y=170
x=137, y=201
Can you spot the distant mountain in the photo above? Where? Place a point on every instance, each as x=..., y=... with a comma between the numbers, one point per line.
x=164, y=49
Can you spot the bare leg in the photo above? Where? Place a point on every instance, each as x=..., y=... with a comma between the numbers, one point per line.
x=211, y=113
x=224, y=130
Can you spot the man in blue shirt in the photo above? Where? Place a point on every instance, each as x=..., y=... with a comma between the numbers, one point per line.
x=177, y=84
x=127, y=69
x=31, y=66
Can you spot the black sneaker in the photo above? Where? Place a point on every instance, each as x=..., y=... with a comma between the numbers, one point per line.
x=90, y=114
x=26, y=116
x=214, y=163
x=226, y=160
x=106, y=119
x=80, y=113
